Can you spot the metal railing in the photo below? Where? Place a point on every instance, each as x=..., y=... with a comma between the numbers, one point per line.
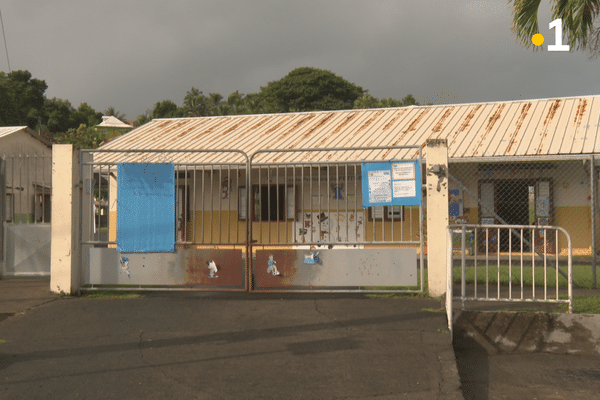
x=525, y=269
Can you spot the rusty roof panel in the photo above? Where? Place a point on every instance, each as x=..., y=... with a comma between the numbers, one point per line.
x=456, y=138
x=558, y=134
x=466, y=137
x=419, y=129
x=513, y=136
x=591, y=128
x=530, y=124
x=485, y=138
x=514, y=128
x=440, y=123
x=541, y=135
x=500, y=139
x=578, y=123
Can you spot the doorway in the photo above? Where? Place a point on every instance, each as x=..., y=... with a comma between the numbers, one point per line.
x=515, y=204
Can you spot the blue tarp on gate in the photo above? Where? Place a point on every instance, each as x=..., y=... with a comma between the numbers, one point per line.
x=146, y=208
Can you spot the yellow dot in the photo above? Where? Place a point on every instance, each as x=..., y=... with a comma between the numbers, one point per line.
x=537, y=39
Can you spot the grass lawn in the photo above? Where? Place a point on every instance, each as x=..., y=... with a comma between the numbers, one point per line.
x=582, y=274
x=110, y=295
x=584, y=304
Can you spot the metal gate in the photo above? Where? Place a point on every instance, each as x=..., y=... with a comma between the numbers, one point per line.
x=310, y=230
x=295, y=223
x=210, y=247
x=535, y=270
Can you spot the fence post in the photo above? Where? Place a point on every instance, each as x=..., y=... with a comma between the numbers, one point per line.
x=437, y=215
x=65, y=253
x=2, y=210
x=593, y=192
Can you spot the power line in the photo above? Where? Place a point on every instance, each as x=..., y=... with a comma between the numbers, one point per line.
x=5, y=46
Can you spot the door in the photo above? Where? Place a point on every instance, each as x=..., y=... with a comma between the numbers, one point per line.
x=516, y=202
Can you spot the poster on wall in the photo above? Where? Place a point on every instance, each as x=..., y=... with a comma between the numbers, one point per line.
x=391, y=184
x=455, y=200
x=542, y=202
x=327, y=227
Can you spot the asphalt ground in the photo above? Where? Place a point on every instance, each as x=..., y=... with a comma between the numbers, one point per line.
x=223, y=346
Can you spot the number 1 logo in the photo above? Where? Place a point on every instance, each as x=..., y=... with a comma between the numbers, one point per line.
x=557, y=23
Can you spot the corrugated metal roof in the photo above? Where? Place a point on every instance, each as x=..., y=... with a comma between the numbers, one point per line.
x=7, y=130
x=543, y=127
x=113, y=122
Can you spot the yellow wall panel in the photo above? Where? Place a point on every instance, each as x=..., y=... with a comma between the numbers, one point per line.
x=576, y=221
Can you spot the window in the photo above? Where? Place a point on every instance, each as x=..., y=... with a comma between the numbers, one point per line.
x=389, y=213
x=273, y=203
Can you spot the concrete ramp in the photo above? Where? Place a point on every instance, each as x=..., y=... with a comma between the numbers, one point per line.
x=526, y=355
x=531, y=331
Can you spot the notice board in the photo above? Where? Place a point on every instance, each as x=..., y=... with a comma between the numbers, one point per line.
x=391, y=184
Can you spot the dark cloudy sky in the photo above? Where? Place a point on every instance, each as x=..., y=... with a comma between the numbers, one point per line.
x=130, y=54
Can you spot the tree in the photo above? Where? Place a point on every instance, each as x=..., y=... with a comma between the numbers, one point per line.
x=85, y=137
x=195, y=104
x=110, y=111
x=310, y=89
x=234, y=104
x=215, y=100
x=577, y=21
x=253, y=103
x=368, y=101
x=21, y=98
x=57, y=115
x=409, y=100
x=144, y=118
x=86, y=115
x=165, y=109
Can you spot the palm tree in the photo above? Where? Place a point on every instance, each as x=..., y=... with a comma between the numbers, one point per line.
x=110, y=111
x=195, y=103
x=577, y=20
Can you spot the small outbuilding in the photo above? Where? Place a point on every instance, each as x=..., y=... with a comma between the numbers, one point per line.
x=25, y=202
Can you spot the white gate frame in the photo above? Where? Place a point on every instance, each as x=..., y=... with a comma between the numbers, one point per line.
x=517, y=230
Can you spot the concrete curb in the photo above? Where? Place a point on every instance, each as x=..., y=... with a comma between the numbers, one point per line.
x=531, y=332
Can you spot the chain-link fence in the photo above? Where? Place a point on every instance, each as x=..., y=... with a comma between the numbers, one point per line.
x=550, y=192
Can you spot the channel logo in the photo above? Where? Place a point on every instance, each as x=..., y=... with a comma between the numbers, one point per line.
x=538, y=38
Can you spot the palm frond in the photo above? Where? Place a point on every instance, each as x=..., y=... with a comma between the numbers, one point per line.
x=578, y=20
x=525, y=23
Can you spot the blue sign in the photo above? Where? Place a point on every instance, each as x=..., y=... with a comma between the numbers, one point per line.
x=391, y=184
x=145, y=208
